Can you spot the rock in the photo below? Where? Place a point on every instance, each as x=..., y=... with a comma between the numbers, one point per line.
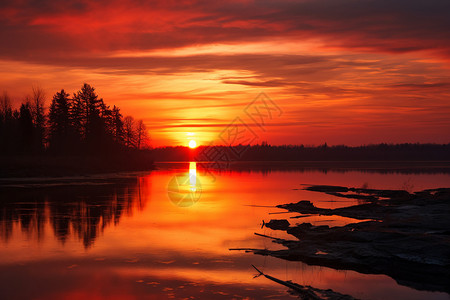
x=278, y=224
x=407, y=237
x=327, y=188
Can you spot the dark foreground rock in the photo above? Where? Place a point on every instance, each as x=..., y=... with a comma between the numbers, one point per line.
x=405, y=236
x=278, y=224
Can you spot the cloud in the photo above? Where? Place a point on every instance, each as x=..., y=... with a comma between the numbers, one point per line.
x=32, y=29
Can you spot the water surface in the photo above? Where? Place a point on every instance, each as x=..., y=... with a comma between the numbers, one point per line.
x=166, y=234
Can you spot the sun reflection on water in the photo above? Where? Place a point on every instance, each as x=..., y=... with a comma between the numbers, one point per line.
x=193, y=176
x=184, y=189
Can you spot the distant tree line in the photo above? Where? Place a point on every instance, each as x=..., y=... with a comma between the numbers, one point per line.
x=82, y=123
x=267, y=152
x=374, y=152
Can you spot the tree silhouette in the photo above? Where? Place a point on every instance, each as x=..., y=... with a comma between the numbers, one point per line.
x=26, y=128
x=129, y=132
x=5, y=105
x=37, y=110
x=61, y=132
x=87, y=108
x=117, y=125
x=8, y=125
x=141, y=134
x=77, y=113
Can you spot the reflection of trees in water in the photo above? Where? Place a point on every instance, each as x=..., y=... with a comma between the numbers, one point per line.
x=24, y=209
x=83, y=211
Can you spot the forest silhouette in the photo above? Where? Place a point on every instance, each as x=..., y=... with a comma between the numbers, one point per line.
x=82, y=123
x=79, y=134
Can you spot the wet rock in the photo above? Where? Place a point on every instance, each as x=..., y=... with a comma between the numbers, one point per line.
x=327, y=188
x=368, y=198
x=408, y=237
x=278, y=224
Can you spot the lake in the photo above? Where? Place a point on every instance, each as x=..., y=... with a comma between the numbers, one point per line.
x=166, y=233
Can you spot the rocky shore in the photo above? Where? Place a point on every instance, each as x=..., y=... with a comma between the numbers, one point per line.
x=404, y=235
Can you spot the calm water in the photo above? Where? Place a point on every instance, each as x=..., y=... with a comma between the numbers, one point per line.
x=166, y=234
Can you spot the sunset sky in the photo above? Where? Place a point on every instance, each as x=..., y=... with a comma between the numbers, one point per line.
x=340, y=71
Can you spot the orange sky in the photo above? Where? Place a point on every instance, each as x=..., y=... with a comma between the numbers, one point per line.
x=341, y=71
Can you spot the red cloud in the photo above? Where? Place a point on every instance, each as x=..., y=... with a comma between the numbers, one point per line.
x=92, y=26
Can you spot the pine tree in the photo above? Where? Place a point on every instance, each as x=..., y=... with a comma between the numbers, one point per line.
x=86, y=115
x=77, y=112
x=117, y=125
x=60, y=129
x=26, y=128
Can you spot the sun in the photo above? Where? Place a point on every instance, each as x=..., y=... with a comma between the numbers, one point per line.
x=192, y=144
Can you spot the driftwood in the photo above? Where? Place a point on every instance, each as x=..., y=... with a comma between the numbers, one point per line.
x=407, y=236
x=306, y=292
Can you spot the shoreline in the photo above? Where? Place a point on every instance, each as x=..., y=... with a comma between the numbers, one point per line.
x=47, y=167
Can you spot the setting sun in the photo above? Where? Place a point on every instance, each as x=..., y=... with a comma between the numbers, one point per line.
x=192, y=144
